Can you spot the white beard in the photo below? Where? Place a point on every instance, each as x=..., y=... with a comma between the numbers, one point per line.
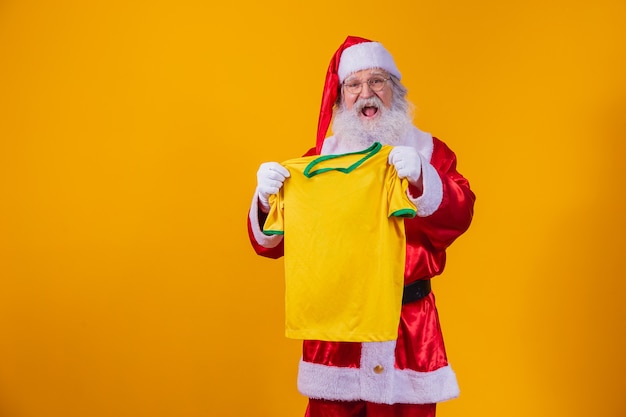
x=356, y=133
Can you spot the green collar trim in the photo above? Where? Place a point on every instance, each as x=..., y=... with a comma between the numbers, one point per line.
x=369, y=152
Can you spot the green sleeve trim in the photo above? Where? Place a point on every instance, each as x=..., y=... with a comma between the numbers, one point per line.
x=273, y=232
x=369, y=152
x=410, y=213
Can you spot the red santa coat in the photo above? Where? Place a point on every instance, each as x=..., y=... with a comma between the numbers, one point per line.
x=414, y=368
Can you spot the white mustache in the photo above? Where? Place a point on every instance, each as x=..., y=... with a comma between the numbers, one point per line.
x=367, y=102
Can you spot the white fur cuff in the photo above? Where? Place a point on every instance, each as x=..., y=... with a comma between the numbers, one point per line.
x=260, y=237
x=431, y=197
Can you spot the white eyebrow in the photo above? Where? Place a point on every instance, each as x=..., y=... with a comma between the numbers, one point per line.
x=381, y=73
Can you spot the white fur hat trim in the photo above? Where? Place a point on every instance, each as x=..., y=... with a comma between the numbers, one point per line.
x=363, y=56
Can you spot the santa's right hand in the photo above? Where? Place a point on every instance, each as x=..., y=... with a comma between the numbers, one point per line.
x=270, y=178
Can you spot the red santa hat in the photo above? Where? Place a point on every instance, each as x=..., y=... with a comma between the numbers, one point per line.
x=354, y=54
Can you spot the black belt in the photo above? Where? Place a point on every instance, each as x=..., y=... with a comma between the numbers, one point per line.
x=416, y=291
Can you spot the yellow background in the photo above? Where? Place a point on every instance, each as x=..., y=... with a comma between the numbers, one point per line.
x=130, y=135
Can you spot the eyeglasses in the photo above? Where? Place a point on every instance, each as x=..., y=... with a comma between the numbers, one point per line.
x=375, y=84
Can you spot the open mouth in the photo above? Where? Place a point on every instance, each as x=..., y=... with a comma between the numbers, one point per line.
x=369, y=111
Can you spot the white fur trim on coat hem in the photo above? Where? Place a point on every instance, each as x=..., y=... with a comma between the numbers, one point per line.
x=391, y=386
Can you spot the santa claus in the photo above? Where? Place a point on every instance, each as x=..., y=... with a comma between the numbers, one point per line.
x=406, y=376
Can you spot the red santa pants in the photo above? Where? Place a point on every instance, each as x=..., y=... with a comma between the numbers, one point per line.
x=327, y=408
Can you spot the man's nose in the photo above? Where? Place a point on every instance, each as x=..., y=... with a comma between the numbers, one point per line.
x=366, y=91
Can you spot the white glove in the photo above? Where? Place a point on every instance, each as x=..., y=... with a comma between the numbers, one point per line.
x=407, y=163
x=270, y=178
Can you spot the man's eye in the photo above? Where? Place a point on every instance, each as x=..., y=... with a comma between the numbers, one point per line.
x=376, y=81
x=352, y=85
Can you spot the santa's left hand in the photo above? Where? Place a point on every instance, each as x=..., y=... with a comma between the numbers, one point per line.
x=407, y=163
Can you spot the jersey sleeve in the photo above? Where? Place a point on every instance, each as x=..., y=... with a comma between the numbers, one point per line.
x=275, y=222
x=398, y=202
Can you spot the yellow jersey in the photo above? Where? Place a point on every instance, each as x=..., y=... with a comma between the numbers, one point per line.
x=342, y=220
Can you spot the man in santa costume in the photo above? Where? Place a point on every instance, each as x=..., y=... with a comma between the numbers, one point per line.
x=405, y=377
